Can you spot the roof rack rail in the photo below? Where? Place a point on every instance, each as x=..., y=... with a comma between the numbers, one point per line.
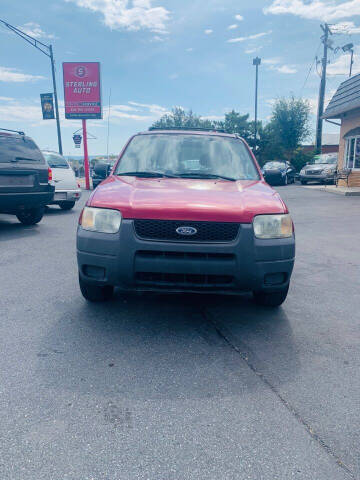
x=14, y=131
x=200, y=129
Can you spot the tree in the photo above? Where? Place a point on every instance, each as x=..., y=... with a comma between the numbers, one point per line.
x=180, y=118
x=290, y=124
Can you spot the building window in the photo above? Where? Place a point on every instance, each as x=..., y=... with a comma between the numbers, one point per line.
x=352, y=153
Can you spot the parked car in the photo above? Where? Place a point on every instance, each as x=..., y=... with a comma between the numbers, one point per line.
x=100, y=172
x=67, y=188
x=25, y=177
x=279, y=172
x=186, y=211
x=322, y=169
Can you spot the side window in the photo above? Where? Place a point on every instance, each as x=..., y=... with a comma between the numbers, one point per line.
x=357, y=153
x=349, y=153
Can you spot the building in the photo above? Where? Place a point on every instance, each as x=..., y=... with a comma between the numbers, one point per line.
x=330, y=144
x=345, y=106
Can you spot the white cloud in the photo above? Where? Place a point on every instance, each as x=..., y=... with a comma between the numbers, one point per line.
x=239, y=18
x=153, y=109
x=208, y=31
x=345, y=27
x=190, y=49
x=118, y=15
x=16, y=111
x=249, y=37
x=15, y=76
x=274, y=64
x=315, y=9
x=233, y=26
x=249, y=51
x=174, y=76
x=271, y=61
x=287, y=69
x=342, y=65
x=34, y=30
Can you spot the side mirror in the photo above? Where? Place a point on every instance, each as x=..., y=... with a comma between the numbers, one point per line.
x=102, y=170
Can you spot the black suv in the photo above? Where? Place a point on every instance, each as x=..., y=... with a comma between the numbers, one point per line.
x=24, y=178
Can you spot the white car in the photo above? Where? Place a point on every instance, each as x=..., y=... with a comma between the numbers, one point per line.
x=67, y=189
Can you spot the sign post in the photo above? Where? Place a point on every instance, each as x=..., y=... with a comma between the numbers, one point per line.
x=82, y=96
x=86, y=156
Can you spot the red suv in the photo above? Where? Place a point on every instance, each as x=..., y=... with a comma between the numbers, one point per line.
x=186, y=211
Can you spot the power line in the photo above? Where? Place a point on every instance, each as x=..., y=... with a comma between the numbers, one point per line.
x=311, y=66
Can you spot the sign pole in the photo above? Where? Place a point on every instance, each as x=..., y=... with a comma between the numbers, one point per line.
x=86, y=156
x=56, y=100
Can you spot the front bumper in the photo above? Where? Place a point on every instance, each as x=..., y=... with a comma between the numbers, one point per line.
x=274, y=178
x=245, y=264
x=66, y=196
x=320, y=177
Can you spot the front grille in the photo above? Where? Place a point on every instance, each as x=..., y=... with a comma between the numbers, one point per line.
x=184, y=280
x=314, y=172
x=166, y=230
x=157, y=255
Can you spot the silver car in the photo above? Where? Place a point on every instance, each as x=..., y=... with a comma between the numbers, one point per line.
x=321, y=169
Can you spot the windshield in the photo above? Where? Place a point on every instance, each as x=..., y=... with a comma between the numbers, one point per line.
x=16, y=148
x=55, y=161
x=274, y=165
x=189, y=156
x=325, y=158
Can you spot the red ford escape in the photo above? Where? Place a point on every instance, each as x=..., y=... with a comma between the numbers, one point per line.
x=186, y=211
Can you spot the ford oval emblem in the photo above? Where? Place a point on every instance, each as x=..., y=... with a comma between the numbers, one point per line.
x=187, y=231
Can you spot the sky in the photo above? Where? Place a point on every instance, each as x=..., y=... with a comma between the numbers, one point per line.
x=157, y=54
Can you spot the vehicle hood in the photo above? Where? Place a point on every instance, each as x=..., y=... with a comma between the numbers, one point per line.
x=64, y=179
x=187, y=199
x=319, y=166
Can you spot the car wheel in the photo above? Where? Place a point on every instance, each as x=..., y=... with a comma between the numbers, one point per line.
x=95, y=293
x=303, y=182
x=30, y=216
x=268, y=299
x=66, y=205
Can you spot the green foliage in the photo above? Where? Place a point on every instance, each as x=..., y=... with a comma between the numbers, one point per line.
x=279, y=139
x=180, y=118
x=301, y=158
x=290, y=123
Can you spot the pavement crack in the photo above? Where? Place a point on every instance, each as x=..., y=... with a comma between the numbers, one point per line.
x=209, y=318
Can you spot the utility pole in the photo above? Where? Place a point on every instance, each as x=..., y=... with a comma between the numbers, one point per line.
x=320, y=111
x=256, y=62
x=48, y=51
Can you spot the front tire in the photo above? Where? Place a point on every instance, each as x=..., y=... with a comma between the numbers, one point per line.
x=96, y=293
x=269, y=299
x=303, y=182
x=30, y=216
x=66, y=205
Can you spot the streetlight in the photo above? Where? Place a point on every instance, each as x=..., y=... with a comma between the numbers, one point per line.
x=48, y=51
x=256, y=62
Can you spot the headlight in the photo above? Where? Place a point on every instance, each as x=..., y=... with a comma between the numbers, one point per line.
x=101, y=220
x=302, y=171
x=329, y=170
x=273, y=226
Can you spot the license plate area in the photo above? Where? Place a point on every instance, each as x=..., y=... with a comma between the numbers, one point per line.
x=60, y=196
x=16, y=180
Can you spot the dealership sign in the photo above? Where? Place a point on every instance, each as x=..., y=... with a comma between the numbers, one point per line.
x=82, y=90
x=47, y=106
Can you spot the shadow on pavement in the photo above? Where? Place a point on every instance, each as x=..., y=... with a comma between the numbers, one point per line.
x=163, y=346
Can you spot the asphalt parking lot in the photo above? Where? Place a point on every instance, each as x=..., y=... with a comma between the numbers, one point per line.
x=181, y=387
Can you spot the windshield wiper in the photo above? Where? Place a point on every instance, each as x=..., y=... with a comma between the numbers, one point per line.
x=205, y=175
x=145, y=174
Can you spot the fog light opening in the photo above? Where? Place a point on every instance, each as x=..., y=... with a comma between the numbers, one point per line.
x=275, y=278
x=94, y=272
